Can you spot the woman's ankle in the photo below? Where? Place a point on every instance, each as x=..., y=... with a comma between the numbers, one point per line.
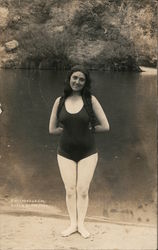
x=73, y=225
x=80, y=225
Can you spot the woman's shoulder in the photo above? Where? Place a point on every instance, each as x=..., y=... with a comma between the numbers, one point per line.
x=57, y=101
x=94, y=99
x=95, y=102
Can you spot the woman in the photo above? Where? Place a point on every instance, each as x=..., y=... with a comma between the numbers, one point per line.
x=74, y=117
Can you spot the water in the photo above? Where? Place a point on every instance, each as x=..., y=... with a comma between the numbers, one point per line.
x=126, y=171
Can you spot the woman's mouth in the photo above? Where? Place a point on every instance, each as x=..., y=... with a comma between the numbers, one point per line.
x=77, y=85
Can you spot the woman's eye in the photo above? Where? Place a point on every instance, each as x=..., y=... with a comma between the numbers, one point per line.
x=74, y=77
x=82, y=79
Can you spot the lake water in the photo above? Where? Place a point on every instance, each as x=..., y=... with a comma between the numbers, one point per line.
x=126, y=171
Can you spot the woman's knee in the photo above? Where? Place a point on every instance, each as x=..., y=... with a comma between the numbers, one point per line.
x=70, y=191
x=82, y=191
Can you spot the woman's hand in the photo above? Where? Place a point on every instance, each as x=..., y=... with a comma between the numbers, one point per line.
x=90, y=126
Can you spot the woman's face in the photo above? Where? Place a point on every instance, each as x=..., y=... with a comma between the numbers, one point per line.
x=77, y=81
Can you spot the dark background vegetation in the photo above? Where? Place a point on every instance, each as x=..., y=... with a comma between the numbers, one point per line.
x=104, y=34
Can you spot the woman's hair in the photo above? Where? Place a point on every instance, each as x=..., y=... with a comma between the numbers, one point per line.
x=85, y=93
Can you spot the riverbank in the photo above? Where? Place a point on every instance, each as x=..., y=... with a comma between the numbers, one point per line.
x=148, y=71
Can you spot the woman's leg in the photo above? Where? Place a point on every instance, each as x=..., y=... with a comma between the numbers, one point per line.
x=86, y=168
x=68, y=173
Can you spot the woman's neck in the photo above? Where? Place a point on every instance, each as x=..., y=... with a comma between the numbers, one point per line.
x=75, y=93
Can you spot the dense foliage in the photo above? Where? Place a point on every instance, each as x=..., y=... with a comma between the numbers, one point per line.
x=104, y=34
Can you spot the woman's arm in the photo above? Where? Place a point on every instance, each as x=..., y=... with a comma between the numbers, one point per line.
x=100, y=115
x=53, y=129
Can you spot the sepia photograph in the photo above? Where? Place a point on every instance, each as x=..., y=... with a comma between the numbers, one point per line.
x=78, y=108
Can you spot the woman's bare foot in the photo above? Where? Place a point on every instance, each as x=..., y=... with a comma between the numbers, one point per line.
x=82, y=230
x=70, y=230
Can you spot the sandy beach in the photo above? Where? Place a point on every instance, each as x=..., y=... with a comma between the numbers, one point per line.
x=34, y=228
x=36, y=232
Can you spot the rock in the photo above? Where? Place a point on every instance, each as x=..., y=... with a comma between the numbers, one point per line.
x=3, y=17
x=12, y=45
x=16, y=18
x=59, y=28
x=7, y=60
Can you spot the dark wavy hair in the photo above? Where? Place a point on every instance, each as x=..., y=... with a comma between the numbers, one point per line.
x=85, y=93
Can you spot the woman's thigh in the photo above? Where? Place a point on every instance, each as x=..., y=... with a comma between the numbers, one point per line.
x=86, y=168
x=67, y=170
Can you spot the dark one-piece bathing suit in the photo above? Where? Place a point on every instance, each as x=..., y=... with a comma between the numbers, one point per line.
x=77, y=141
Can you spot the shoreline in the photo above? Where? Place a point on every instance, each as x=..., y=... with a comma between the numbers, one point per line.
x=144, y=69
x=50, y=211
x=148, y=70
